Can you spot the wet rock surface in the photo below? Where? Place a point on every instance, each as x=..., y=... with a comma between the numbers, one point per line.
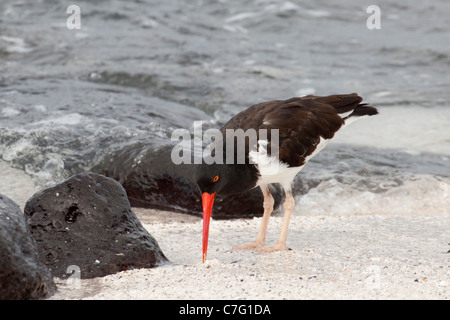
x=22, y=275
x=86, y=222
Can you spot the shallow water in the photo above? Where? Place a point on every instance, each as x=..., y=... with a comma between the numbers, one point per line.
x=136, y=70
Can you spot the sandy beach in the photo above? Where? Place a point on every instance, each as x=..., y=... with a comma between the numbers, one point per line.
x=343, y=257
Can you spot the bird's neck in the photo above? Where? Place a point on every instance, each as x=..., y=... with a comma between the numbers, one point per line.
x=243, y=177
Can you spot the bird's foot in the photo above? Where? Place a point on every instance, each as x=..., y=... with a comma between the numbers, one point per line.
x=250, y=246
x=279, y=246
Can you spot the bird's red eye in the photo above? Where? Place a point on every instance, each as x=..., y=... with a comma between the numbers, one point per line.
x=215, y=178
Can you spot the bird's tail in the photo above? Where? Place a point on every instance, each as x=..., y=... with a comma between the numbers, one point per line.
x=344, y=103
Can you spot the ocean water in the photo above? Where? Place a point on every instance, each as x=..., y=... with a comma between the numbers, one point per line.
x=137, y=70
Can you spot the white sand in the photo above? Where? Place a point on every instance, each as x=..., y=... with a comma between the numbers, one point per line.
x=353, y=257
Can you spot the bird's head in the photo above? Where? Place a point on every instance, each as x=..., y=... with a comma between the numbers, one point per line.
x=211, y=179
x=220, y=179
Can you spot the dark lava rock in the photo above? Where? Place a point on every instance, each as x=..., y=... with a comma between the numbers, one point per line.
x=152, y=180
x=86, y=221
x=22, y=274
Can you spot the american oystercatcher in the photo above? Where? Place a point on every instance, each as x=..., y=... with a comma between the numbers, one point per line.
x=296, y=130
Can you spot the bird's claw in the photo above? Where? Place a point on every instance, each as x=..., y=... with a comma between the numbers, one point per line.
x=250, y=246
x=276, y=247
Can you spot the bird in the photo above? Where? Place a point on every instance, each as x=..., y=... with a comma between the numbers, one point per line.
x=296, y=130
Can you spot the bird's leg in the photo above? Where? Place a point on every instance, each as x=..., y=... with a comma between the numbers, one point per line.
x=288, y=205
x=261, y=238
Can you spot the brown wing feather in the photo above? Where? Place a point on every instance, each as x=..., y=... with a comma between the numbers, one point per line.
x=301, y=122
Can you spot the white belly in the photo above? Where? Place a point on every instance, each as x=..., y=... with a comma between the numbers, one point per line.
x=274, y=171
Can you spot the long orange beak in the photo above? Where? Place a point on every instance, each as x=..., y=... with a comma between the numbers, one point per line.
x=207, y=202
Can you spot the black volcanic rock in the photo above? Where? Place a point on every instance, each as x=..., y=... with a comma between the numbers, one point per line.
x=152, y=180
x=87, y=221
x=22, y=274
